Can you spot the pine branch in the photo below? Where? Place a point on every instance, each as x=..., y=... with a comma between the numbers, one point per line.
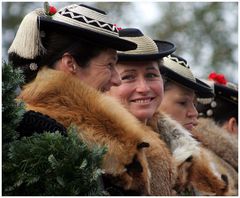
x=51, y=164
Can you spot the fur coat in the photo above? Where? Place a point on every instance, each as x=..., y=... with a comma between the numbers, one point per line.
x=102, y=120
x=198, y=170
x=218, y=140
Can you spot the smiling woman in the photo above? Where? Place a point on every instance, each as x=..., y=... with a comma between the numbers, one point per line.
x=141, y=90
x=142, y=86
x=141, y=93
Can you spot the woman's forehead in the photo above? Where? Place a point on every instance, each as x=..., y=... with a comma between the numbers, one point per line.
x=147, y=65
x=182, y=89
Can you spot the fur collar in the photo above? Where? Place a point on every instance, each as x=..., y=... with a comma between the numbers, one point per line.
x=99, y=118
x=218, y=140
x=179, y=140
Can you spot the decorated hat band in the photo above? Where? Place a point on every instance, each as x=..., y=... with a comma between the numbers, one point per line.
x=81, y=16
x=179, y=66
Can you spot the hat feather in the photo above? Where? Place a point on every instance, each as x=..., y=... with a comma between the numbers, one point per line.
x=27, y=42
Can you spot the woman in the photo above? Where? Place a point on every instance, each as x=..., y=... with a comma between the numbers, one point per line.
x=179, y=101
x=141, y=92
x=180, y=92
x=218, y=119
x=66, y=58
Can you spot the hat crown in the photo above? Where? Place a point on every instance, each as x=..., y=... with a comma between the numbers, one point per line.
x=130, y=32
x=85, y=11
x=147, y=48
x=86, y=17
x=179, y=65
x=145, y=45
x=228, y=92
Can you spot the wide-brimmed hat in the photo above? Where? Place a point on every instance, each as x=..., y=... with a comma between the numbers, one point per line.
x=147, y=49
x=176, y=69
x=79, y=20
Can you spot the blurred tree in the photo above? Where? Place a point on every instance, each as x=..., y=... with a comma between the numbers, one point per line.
x=205, y=33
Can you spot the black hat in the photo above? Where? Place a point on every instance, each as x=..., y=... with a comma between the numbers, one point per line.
x=84, y=21
x=223, y=90
x=228, y=92
x=147, y=49
x=226, y=97
x=176, y=69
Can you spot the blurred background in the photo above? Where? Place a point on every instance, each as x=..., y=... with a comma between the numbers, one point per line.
x=205, y=33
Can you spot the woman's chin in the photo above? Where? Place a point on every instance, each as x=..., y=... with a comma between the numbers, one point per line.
x=143, y=116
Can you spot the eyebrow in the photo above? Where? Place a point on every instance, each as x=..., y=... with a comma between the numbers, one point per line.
x=128, y=70
x=151, y=68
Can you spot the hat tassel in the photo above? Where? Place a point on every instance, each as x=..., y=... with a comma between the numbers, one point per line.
x=27, y=42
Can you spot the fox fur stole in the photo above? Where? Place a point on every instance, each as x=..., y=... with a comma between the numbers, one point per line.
x=101, y=120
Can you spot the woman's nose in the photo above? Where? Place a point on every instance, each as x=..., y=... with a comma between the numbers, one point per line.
x=193, y=112
x=115, y=78
x=142, y=86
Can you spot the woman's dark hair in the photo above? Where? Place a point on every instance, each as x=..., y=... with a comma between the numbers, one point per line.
x=56, y=45
x=223, y=111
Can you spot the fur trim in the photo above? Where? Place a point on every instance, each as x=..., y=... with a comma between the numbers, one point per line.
x=197, y=168
x=179, y=140
x=101, y=120
x=161, y=165
x=209, y=175
x=218, y=140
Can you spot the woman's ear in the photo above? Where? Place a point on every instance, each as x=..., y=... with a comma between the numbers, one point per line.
x=67, y=64
x=232, y=126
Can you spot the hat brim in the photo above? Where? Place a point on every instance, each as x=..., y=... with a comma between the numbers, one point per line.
x=164, y=48
x=201, y=89
x=226, y=93
x=93, y=36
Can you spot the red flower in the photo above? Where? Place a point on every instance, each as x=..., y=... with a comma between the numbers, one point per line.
x=217, y=78
x=52, y=10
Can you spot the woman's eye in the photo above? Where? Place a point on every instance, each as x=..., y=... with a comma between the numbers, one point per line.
x=127, y=77
x=152, y=75
x=182, y=103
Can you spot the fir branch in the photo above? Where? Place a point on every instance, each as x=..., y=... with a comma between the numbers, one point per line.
x=11, y=111
x=51, y=164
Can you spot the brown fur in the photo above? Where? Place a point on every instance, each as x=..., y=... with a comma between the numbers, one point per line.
x=195, y=165
x=206, y=177
x=223, y=168
x=218, y=140
x=161, y=165
x=100, y=120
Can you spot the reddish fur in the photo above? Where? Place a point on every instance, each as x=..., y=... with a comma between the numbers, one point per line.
x=69, y=101
x=100, y=119
x=203, y=178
